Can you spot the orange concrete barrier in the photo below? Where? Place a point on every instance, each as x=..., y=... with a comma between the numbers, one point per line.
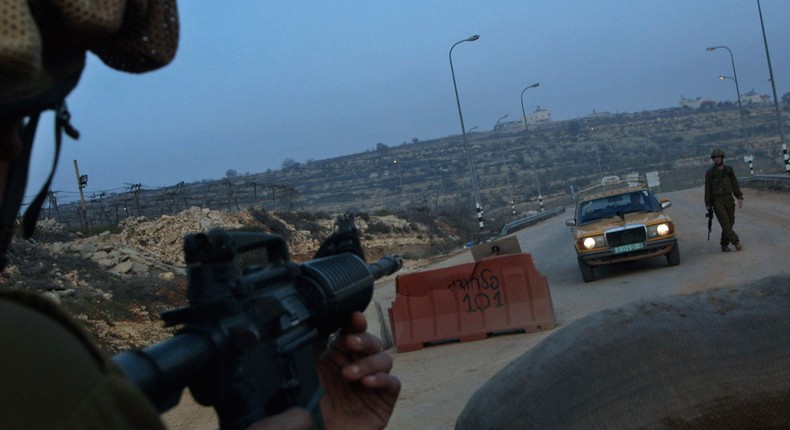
x=470, y=301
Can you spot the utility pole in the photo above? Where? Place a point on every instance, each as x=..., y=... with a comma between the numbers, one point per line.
x=82, y=181
x=53, y=203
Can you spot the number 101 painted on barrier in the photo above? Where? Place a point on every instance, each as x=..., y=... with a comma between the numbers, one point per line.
x=481, y=291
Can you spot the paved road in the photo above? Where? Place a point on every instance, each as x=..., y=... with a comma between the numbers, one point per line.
x=438, y=380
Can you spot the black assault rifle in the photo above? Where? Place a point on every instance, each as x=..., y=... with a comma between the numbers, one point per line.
x=249, y=342
x=709, y=216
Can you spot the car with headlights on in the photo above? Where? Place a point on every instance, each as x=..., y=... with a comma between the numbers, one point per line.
x=619, y=221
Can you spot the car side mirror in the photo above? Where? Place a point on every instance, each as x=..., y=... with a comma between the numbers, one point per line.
x=570, y=222
x=665, y=203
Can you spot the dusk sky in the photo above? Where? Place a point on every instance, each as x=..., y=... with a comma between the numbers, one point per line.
x=258, y=82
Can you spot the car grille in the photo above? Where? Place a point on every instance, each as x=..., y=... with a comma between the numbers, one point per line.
x=626, y=236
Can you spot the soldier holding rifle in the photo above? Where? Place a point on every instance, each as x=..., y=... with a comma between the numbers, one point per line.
x=720, y=187
x=52, y=374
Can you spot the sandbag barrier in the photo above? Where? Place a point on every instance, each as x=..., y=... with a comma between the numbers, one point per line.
x=470, y=302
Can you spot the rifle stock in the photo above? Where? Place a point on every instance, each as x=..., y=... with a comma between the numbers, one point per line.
x=248, y=343
x=709, y=216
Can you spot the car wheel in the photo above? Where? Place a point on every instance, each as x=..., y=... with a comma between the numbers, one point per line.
x=673, y=256
x=588, y=273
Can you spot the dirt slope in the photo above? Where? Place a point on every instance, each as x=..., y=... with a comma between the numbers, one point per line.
x=119, y=283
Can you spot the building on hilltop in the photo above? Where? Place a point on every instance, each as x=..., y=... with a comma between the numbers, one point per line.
x=696, y=103
x=538, y=117
x=596, y=114
x=752, y=98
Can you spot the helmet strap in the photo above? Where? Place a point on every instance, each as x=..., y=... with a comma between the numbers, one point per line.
x=62, y=124
x=15, y=185
x=17, y=178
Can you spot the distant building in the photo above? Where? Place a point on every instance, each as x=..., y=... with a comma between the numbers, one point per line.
x=506, y=126
x=753, y=98
x=540, y=116
x=696, y=103
x=536, y=118
x=596, y=114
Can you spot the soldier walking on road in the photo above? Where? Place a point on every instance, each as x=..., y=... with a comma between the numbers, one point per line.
x=720, y=187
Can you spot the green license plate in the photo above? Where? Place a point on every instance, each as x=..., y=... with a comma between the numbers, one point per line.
x=628, y=248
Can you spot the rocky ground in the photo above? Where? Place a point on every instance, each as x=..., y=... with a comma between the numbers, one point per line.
x=118, y=283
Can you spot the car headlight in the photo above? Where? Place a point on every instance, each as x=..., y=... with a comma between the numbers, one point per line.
x=660, y=230
x=592, y=242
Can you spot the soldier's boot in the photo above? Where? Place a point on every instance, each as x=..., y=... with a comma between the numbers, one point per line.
x=738, y=246
x=725, y=248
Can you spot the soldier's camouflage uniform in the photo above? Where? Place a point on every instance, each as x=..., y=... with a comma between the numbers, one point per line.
x=720, y=187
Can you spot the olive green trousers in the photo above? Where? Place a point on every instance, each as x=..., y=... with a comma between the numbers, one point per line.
x=724, y=208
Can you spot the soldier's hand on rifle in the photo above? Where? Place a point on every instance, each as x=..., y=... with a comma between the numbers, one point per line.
x=354, y=371
x=740, y=203
x=359, y=391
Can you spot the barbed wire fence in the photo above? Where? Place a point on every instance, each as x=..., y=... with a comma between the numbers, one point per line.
x=113, y=206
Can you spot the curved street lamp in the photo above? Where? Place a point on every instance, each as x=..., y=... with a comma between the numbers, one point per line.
x=737, y=88
x=523, y=112
x=478, y=206
x=526, y=129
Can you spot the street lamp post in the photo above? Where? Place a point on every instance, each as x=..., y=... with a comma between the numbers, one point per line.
x=478, y=206
x=507, y=179
x=523, y=112
x=526, y=129
x=537, y=182
x=737, y=88
x=773, y=88
x=400, y=178
x=598, y=157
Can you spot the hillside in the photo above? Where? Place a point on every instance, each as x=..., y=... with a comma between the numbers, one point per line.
x=119, y=283
x=433, y=176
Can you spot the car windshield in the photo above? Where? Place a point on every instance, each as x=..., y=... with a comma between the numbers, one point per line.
x=616, y=205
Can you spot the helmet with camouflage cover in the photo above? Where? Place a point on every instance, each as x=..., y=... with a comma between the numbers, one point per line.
x=717, y=153
x=43, y=45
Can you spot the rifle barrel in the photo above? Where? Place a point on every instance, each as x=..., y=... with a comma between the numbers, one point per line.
x=162, y=370
x=385, y=266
